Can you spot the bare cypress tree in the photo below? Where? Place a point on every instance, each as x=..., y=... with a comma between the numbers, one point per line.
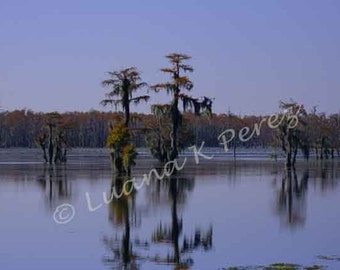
x=175, y=87
x=124, y=83
x=291, y=132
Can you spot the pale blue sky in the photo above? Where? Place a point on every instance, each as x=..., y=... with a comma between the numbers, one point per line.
x=248, y=55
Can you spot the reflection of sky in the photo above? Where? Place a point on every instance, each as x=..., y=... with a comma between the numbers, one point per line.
x=239, y=204
x=247, y=54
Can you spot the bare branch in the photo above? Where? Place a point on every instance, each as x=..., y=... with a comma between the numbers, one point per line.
x=168, y=70
x=184, y=82
x=177, y=57
x=186, y=68
x=110, y=82
x=137, y=100
x=136, y=86
x=114, y=102
x=162, y=86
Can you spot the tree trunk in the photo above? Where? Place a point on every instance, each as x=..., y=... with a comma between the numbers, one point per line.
x=50, y=145
x=294, y=155
x=175, y=123
x=127, y=115
x=126, y=101
x=44, y=154
x=65, y=155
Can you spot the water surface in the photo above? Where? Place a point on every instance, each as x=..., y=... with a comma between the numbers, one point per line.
x=215, y=214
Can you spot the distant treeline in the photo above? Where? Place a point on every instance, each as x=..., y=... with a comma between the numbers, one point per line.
x=22, y=128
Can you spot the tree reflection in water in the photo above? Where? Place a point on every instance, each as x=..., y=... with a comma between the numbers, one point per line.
x=292, y=193
x=123, y=213
x=328, y=175
x=171, y=234
x=54, y=182
x=291, y=198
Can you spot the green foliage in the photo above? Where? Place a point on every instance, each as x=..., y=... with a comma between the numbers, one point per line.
x=123, y=152
x=158, y=137
x=118, y=137
x=129, y=155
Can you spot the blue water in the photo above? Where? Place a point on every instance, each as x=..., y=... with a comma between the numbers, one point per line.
x=255, y=217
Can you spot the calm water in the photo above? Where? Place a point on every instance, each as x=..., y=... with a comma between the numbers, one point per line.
x=212, y=215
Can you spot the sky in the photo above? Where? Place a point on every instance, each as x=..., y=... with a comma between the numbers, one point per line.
x=247, y=55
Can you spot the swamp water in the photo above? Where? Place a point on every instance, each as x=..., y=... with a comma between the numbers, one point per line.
x=217, y=214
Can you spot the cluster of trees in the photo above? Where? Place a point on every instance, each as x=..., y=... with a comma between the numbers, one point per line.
x=168, y=134
x=167, y=130
x=90, y=130
x=164, y=135
x=22, y=128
